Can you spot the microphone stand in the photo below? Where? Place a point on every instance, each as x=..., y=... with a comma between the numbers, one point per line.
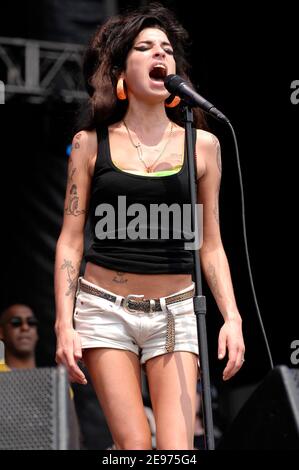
x=199, y=301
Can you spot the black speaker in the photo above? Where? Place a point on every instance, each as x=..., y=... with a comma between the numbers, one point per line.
x=269, y=420
x=36, y=410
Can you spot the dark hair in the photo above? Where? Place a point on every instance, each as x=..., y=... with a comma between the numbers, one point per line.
x=7, y=306
x=105, y=59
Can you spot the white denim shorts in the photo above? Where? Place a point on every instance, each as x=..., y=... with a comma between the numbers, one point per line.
x=102, y=323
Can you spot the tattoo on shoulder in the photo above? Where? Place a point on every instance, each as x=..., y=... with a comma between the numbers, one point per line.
x=72, y=276
x=218, y=152
x=73, y=202
x=77, y=141
x=119, y=278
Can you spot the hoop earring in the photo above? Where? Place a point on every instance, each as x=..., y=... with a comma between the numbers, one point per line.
x=120, y=89
x=173, y=103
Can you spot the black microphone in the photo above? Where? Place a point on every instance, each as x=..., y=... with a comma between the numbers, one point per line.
x=180, y=87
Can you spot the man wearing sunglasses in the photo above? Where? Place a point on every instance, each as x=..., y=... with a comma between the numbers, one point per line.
x=18, y=331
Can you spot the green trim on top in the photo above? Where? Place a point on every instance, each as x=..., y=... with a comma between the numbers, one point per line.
x=174, y=170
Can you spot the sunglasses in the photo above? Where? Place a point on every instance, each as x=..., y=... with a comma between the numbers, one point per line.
x=16, y=322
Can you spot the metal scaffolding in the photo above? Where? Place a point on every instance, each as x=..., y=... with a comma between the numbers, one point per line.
x=41, y=70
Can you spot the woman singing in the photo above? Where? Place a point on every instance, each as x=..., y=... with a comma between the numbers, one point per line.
x=133, y=306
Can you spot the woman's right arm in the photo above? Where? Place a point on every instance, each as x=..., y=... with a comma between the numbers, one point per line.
x=69, y=251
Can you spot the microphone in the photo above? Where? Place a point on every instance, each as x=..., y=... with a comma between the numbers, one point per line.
x=180, y=87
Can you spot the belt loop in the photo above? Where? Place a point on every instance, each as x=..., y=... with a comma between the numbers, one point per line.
x=152, y=306
x=118, y=300
x=163, y=304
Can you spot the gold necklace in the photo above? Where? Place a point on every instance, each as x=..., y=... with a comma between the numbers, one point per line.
x=139, y=148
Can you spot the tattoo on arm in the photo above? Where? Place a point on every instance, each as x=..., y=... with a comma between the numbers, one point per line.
x=71, y=171
x=219, y=165
x=218, y=153
x=216, y=207
x=212, y=281
x=218, y=156
x=73, y=203
x=72, y=276
x=119, y=278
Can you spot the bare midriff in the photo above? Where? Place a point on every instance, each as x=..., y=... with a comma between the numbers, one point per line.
x=124, y=283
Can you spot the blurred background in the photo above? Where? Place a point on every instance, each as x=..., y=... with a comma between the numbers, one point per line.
x=246, y=66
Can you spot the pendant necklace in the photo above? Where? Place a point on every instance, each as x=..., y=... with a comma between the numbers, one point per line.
x=149, y=168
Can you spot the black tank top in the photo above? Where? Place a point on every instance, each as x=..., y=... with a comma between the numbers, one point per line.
x=123, y=243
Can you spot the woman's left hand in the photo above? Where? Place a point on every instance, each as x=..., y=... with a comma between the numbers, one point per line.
x=231, y=340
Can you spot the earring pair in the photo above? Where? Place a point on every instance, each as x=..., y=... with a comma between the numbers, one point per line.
x=122, y=95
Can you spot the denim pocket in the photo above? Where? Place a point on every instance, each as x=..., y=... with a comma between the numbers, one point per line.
x=88, y=304
x=183, y=307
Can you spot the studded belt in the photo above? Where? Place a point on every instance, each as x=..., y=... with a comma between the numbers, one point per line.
x=132, y=304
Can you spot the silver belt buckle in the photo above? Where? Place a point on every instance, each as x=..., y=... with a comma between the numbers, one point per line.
x=126, y=303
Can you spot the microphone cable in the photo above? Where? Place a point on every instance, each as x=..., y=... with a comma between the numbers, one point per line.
x=180, y=87
x=246, y=245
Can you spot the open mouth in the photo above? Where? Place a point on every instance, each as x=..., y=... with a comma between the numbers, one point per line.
x=158, y=73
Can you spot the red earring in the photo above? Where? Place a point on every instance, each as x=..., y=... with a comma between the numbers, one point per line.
x=173, y=103
x=120, y=89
